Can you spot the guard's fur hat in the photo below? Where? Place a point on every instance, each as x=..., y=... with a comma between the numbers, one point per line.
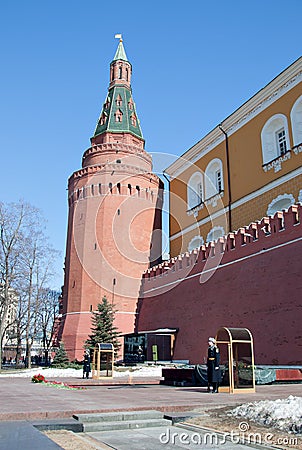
x=211, y=339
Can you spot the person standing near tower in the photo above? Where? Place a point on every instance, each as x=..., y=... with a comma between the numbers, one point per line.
x=86, y=365
x=213, y=369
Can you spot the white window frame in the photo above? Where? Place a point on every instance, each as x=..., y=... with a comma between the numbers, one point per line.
x=270, y=146
x=195, y=190
x=218, y=180
x=215, y=233
x=281, y=141
x=296, y=121
x=196, y=242
x=211, y=178
x=280, y=203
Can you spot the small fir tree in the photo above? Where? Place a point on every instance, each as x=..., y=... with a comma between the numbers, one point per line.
x=61, y=358
x=103, y=331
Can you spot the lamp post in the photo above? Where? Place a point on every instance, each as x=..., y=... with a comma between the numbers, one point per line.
x=113, y=284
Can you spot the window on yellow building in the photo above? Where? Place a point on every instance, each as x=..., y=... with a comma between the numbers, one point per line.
x=281, y=141
x=195, y=190
x=215, y=233
x=274, y=138
x=296, y=120
x=218, y=180
x=280, y=203
x=196, y=242
x=213, y=178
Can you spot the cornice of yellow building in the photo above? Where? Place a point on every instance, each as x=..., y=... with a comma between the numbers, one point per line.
x=275, y=89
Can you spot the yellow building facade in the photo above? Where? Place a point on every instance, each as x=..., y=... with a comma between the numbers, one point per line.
x=246, y=168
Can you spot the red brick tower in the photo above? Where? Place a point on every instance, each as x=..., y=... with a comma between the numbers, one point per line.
x=114, y=212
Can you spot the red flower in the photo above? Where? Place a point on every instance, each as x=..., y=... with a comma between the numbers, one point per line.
x=38, y=379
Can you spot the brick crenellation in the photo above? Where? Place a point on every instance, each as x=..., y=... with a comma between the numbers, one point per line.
x=257, y=236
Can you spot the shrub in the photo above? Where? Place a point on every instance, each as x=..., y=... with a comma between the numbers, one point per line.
x=61, y=359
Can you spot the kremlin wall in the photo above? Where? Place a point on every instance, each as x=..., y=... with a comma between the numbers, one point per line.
x=250, y=279
x=115, y=204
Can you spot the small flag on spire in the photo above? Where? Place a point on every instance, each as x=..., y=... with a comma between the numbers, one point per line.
x=118, y=36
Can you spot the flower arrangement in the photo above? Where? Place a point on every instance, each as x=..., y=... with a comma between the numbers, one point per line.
x=38, y=379
x=58, y=384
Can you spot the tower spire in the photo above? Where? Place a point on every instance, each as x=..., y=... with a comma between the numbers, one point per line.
x=120, y=51
x=118, y=115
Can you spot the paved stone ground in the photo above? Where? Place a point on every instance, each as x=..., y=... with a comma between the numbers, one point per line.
x=22, y=436
x=218, y=419
x=22, y=400
x=169, y=438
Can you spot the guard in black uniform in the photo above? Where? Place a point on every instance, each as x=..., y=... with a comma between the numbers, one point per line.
x=86, y=365
x=213, y=368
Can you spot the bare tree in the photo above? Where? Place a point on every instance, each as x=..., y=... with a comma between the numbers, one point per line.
x=12, y=219
x=48, y=313
x=26, y=261
x=37, y=261
x=20, y=325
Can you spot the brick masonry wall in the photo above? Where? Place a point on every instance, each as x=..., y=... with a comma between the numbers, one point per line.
x=256, y=208
x=246, y=213
x=108, y=248
x=240, y=281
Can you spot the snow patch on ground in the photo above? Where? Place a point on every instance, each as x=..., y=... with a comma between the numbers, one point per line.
x=148, y=371
x=283, y=414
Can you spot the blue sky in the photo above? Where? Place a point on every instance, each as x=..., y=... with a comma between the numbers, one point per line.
x=194, y=63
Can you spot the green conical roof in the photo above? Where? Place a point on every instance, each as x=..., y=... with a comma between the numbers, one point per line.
x=120, y=53
x=119, y=113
